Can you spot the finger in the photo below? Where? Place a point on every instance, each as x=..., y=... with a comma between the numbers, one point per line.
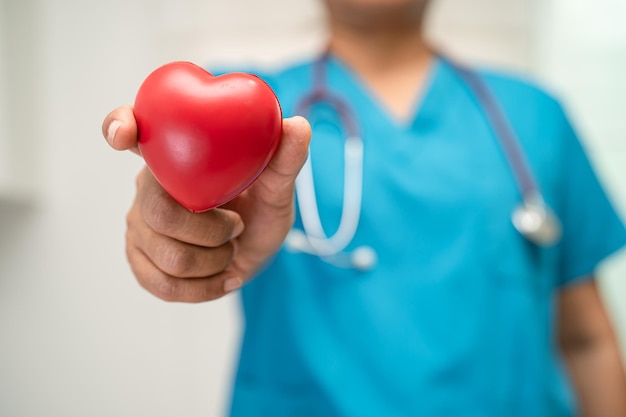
x=167, y=217
x=182, y=260
x=169, y=288
x=277, y=181
x=120, y=129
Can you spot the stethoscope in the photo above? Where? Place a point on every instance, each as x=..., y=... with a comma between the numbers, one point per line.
x=533, y=218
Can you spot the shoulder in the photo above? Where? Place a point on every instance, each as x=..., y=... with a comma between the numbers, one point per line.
x=290, y=83
x=529, y=103
x=538, y=119
x=521, y=89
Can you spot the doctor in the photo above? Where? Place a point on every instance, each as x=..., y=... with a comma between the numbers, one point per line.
x=454, y=312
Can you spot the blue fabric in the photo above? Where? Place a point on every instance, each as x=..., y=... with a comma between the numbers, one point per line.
x=457, y=317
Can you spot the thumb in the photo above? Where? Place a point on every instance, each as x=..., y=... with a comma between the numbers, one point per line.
x=119, y=128
x=277, y=181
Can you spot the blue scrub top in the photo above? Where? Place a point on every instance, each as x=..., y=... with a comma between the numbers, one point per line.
x=457, y=318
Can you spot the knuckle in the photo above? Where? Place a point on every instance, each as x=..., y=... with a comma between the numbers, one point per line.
x=139, y=180
x=156, y=282
x=179, y=260
x=177, y=290
x=210, y=291
x=220, y=229
x=165, y=289
x=160, y=214
x=130, y=253
x=227, y=253
x=217, y=234
x=142, y=178
x=172, y=289
x=131, y=218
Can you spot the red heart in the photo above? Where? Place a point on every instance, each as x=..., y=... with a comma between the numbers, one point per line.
x=206, y=138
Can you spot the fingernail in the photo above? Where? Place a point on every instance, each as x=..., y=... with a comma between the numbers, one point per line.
x=232, y=284
x=112, y=130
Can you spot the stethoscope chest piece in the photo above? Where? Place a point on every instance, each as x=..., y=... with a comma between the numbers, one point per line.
x=363, y=258
x=534, y=219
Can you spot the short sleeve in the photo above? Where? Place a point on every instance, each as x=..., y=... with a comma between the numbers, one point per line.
x=592, y=229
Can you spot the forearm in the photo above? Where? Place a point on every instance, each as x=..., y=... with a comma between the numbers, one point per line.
x=591, y=351
x=598, y=377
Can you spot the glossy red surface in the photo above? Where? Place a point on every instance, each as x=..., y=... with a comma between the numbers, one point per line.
x=206, y=138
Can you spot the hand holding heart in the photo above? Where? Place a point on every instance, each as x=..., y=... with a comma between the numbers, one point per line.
x=206, y=138
x=178, y=255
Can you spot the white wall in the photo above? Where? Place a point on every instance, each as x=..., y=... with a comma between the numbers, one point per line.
x=19, y=90
x=78, y=337
x=3, y=129
x=581, y=53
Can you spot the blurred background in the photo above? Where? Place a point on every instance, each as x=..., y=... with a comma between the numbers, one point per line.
x=78, y=336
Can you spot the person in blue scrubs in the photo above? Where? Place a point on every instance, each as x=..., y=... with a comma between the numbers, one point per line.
x=461, y=315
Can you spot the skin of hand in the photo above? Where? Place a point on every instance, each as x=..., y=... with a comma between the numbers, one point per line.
x=591, y=351
x=192, y=257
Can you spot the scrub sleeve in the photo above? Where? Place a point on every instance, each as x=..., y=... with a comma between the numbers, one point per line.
x=592, y=229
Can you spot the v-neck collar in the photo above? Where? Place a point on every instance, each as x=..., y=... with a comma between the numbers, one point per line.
x=342, y=78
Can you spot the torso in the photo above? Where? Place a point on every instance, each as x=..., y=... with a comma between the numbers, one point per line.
x=456, y=317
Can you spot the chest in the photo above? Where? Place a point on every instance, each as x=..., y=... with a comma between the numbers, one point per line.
x=437, y=196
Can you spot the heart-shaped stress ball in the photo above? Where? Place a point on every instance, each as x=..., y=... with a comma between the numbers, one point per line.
x=206, y=138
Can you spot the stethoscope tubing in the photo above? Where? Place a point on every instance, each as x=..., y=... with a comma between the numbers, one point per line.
x=323, y=245
x=502, y=129
x=532, y=218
